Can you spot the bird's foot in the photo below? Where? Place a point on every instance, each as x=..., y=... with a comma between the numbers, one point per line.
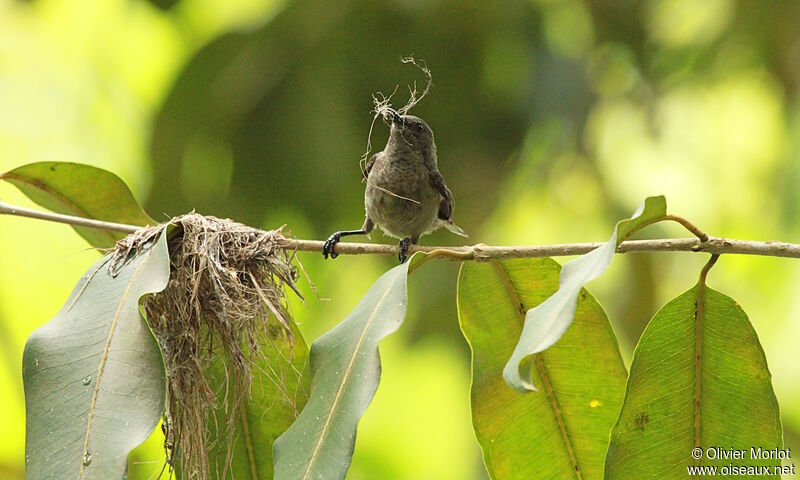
x=404, y=243
x=330, y=245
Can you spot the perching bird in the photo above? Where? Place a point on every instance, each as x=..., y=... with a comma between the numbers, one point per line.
x=405, y=195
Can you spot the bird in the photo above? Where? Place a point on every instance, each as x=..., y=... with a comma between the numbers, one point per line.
x=405, y=195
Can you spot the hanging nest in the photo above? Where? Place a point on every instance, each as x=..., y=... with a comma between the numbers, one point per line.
x=224, y=300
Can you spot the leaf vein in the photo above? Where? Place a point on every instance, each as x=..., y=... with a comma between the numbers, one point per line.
x=347, y=373
x=104, y=360
x=520, y=308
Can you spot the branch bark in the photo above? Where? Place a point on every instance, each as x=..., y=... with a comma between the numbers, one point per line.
x=6, y=209
x=713, y=245
x=481, y=252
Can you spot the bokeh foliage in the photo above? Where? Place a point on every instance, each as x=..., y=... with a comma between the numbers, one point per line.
x=553, y=118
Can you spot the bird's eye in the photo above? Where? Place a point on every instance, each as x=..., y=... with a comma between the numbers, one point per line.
x=419, y=127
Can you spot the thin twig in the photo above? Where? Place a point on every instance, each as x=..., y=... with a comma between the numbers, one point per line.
x=485, y=253
x=68, y=219
x=478, y=252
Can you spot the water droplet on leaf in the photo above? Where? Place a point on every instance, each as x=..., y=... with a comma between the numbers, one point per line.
x=87, y=380
x=87, y=459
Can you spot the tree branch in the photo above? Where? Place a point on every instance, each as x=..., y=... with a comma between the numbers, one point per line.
x=478, y=252
x=6, y=209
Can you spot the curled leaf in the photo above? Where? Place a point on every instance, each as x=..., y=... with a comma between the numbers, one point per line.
x=547, y=322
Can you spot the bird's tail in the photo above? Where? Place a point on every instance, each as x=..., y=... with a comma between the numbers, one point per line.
x=454, y=228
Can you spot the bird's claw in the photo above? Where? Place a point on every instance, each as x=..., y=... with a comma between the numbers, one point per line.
x=329, y=248
x=404, y=243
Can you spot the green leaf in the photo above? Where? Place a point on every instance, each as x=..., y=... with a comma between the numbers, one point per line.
x=669, y=409
x=83, y=191
x=280, y=388
x=94, y=377
x=547, y=322
x=563, y=430
x=345, y=371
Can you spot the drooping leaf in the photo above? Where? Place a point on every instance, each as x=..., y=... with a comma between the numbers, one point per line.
x=345, y=372
x=695, y=384
x=94, y=377
x=83, y=191
x=563, y=430
x=280, y=388
x=547, y=322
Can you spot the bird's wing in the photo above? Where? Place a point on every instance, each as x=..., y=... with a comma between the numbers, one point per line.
x=446, y=204
x=368, y=167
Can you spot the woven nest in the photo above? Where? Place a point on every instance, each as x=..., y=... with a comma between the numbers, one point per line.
x=224, y=301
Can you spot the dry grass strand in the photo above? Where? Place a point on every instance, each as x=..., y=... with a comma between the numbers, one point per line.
x=382, y=106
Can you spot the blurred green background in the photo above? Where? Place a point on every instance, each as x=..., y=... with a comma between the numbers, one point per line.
x=553, y=119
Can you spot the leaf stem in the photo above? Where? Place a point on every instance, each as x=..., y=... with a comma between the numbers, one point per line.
x=704, y=273
x=701, y=235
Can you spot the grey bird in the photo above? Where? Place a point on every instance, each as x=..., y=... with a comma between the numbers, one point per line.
x=405, y=195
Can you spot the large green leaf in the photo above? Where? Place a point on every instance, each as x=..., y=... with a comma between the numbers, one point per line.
x=695, y=383
x=94, y=377
x=83, y=191
x=280, y=388
x=548, y=321
x=345, y=371
x=562, y=432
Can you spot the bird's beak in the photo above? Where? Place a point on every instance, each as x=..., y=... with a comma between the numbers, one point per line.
x=397, y=118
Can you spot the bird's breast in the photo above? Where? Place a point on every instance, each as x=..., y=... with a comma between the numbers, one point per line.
x=400, y=199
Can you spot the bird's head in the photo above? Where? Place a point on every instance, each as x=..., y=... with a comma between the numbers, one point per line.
x=413, y=131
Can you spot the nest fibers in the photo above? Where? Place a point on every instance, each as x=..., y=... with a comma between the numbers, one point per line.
x=224, y=301
x=383, y=104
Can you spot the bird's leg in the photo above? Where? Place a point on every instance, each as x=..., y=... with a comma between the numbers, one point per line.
x=330, y=244
x=404, y=243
